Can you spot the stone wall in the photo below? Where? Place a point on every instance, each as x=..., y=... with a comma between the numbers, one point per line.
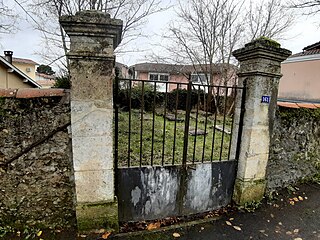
x=295, y=146
x=36, y=186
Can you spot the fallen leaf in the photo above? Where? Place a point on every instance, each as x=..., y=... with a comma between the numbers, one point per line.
x=271, y=215
x=176, y=235
x=237, y=228
x=106, y=235
x=295, y=199
x=231, y=219
x=305, y=198
x=228, y=223
x=296, y=231
x=39, y=233
x=100, y=231
x=289, y=233
x=300, y=198
x=292, y=203
x=262, y=231
x=153, y=226
x=83, y=236
x=280, y=223
x=298, y=239
x=202, y=228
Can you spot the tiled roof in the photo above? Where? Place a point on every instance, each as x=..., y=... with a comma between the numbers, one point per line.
x=306, y=53
x=312, y=46
x=32, y=92
x=24, y=60
x=174, y=68
x=308, y=50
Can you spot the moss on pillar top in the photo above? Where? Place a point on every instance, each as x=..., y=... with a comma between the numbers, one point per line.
x=262, y=47
x=266, y=41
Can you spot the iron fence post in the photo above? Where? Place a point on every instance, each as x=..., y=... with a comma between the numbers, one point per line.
x=187, y=123
x=116, y=124
x=242, y=111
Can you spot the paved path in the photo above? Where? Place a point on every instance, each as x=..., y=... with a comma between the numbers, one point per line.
x=286, y=218
x=283, y=219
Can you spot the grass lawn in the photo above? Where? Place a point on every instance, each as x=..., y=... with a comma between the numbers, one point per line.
x=167, y=147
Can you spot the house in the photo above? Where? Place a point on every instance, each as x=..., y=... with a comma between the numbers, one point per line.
x=177, y=73
x=45, y=80
x=17, y=74
x=301, y=71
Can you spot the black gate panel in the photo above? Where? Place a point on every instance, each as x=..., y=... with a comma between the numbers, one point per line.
x=157, y=192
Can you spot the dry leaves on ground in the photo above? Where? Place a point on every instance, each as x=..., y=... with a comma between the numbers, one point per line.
x=237, y=228
x=228, y=223
x=106, y=235
x=153, y=226
x=176, y=235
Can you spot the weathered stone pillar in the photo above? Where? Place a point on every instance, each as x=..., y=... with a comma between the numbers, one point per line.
x=93, y=36
x=260, y=68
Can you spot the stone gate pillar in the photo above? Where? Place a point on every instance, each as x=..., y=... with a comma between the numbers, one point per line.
x=93, y=38
x=260, y=68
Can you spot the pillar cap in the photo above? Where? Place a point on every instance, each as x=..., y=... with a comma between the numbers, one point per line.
x=262, y=48
x=94, y=24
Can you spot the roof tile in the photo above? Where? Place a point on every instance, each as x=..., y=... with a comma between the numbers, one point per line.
x=306, y=105
x=317, y=105
x=34, y=93
x=288, y=104
x=8, y=92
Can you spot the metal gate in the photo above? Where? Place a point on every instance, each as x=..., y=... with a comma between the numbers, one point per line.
x=172, y=148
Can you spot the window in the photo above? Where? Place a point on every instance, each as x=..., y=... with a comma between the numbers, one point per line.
x=159, y=77
x=200, y=78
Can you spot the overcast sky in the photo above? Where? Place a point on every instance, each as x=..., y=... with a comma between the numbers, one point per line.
x=27, y=41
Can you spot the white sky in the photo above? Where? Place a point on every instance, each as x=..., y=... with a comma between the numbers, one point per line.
x=26, y=42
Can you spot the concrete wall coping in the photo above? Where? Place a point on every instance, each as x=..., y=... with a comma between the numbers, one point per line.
x=32, y=92
x=299, y=105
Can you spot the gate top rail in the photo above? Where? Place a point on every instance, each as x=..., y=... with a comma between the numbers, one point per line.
x=181, y=83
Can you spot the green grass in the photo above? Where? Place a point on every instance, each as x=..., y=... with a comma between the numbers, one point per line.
x=173, y=150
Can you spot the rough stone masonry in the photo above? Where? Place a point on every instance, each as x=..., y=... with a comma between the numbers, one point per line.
x=36, y=187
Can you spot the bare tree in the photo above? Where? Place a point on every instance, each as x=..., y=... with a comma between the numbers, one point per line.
x=269, y=19
x=310, y=7
x=7, y=19
x=206, y=33
x=46, y=15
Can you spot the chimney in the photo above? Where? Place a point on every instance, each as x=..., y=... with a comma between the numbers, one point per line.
x=8, y=56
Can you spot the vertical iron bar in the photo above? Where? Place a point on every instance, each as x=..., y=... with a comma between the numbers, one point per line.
x=232, y=122
x=116, y=126
x=187, y=123
x=129, y=130
x=215, y=123
x=141, y=124
x=164, y=125
x=205, y=127
x=196, y=128
x=153, y=120
x=242, y=112
x=224, y=122
x=175, y=124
